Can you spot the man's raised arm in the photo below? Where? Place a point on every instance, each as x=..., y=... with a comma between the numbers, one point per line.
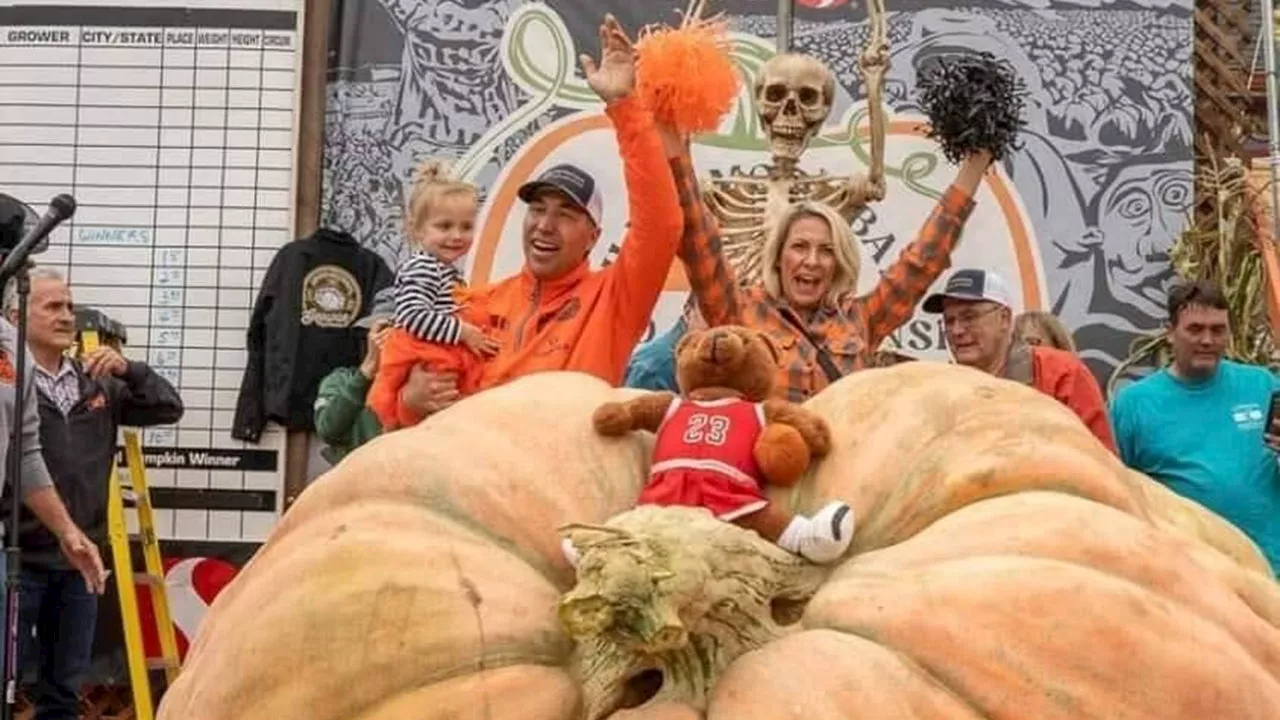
x=653, y=210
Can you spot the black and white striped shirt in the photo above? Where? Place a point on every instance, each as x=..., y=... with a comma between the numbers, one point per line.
x=425, y=305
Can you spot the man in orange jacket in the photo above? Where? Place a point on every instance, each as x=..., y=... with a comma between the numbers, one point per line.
x=558, y=313
x=978, y=322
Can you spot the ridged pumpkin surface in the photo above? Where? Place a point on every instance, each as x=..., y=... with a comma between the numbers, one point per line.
x=1004, y=566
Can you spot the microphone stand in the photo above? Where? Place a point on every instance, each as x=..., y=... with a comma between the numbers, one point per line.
x=12, y=552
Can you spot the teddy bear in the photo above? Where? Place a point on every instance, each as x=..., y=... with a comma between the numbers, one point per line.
x=722, y=438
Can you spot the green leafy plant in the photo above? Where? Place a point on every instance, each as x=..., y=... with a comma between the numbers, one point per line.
x=1220, y=245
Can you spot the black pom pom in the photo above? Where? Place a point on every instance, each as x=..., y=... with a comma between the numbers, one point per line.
x=973, y=102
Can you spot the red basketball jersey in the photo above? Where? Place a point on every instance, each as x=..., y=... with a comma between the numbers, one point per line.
x=710, y=435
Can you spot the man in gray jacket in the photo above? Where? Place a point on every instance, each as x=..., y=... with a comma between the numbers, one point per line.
x=37, y=489
x=37, y=486
x=38, y=493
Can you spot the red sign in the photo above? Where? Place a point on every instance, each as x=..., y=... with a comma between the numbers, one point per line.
x=191, y=585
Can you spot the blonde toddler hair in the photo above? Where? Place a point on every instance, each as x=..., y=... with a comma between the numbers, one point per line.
x=431, y=184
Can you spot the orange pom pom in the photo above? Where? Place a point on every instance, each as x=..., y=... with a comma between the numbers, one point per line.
x=685, y=74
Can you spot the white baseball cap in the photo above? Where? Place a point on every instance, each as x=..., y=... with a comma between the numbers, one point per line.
x=970, y=284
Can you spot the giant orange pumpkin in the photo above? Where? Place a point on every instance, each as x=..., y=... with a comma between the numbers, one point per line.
x=1004, y=566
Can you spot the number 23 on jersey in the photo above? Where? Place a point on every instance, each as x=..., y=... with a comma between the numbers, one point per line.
x=706, y=429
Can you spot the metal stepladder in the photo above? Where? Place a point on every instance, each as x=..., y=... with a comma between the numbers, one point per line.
x=97, y=329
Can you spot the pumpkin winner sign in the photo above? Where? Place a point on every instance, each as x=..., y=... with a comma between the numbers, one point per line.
x=539, y=56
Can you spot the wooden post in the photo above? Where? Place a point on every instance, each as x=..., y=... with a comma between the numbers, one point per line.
x=1222, y=57
x=308, y=167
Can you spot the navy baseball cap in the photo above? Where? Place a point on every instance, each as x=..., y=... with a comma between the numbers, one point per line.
x=571, y=180
x=970, y=284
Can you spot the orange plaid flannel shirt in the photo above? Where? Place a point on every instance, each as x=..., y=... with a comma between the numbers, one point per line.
x=852, y=329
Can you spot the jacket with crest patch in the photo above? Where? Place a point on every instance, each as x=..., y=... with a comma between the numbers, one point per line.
x=300, y=330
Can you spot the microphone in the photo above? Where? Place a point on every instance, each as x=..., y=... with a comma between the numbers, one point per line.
x=37, y=238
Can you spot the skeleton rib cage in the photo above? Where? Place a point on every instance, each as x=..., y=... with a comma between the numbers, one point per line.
x=794, y=94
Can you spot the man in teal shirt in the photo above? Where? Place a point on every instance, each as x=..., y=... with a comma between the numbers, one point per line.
x=1198, y=425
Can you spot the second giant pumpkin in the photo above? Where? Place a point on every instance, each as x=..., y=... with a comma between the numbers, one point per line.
x=1005, y=565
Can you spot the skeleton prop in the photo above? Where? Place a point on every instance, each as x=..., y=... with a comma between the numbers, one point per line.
x=793, y=95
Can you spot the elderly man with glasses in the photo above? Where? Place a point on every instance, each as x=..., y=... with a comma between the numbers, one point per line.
x=977, y=320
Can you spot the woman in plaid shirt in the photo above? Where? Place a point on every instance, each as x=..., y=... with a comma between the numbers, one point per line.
x=808, y=305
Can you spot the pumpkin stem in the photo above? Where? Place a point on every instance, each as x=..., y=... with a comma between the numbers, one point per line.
x=659, y=617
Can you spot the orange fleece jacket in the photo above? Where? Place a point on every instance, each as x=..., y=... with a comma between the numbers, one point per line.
x=590, y=320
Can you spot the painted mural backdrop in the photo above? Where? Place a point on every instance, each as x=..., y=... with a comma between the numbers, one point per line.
x=1079, y=220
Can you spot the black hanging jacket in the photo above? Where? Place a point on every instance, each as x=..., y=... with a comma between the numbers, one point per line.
x=80, y=447
x=301, y=330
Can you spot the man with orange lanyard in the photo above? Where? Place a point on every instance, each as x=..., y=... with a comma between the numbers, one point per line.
x=558, y=313
x=977, y=319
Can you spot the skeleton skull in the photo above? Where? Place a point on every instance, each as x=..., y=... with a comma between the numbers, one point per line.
x=794, y=93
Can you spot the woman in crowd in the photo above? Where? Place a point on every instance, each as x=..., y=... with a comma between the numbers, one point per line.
x=1036, y=327
x=809, y=306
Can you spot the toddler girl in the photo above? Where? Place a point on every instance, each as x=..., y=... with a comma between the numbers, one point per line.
x=429, y=326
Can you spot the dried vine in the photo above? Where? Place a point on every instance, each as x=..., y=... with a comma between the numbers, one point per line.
x=667, y=598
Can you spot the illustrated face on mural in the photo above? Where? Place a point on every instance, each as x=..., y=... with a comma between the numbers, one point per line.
x=453, y=87
x=1138, y=213
x=450, y=88
x=793, y=93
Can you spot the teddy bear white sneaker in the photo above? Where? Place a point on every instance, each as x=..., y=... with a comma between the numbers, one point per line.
x=828, y=535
